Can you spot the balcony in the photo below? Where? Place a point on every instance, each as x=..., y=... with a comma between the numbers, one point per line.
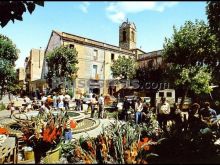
x=96, y=77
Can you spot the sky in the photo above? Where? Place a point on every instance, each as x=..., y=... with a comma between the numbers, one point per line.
x=100, y=21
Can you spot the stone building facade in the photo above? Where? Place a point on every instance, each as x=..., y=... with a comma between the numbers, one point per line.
x=33, y=70
x=21, y=77
x=95, y=59
x=152, y=59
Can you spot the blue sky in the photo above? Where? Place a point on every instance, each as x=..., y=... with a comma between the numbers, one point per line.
x=100, y=21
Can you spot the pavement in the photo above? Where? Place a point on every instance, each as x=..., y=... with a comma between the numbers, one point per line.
x=95, y=132
x=5, y=119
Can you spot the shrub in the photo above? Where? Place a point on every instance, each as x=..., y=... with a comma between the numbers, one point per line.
x=70, y=92
x=2, y=106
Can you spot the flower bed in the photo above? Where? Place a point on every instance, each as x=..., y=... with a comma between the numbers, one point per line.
x=118, y=143
x=44, y=133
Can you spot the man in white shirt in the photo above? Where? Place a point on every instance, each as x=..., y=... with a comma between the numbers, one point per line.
x=66, y=101
x=101, y=106
x=163, y=112
x=60, y=100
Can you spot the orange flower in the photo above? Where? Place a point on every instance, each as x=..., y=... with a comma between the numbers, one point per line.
x=142, y=142
x=3, y=131
x=124, y=140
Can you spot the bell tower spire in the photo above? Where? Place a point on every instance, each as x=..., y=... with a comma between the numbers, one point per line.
x=127, y=35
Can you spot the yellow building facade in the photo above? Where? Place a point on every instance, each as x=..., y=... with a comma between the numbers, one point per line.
x=95, y=59
x=33, y=69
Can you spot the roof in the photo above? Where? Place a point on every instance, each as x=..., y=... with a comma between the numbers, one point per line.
x=87, y=41
x=150, y=55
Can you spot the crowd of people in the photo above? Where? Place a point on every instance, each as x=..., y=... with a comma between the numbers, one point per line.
x=45, y=104
x=141, y=111
x=196, y=117
x=95, y=101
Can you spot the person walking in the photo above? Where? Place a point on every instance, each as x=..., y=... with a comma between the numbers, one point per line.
x=60, y=100
x=163, y=112
x=101, y=106
x=93, y=103
x=11, y=108
x=55, y=100
x=138, y=110
x=67, y=101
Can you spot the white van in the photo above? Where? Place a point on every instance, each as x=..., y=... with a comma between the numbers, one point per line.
x=169, y=94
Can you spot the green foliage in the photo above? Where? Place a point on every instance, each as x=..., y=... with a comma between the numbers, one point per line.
x=189, y=52
x=193, y=44
x=146, y=74
x=8, y=50
x=70, y=92
x=8, y=79
x=11, y=10
x=197, y=78
x=123, y=67
x=2, y=107
x=213, y=15
x=8, y=56
x=62, y=62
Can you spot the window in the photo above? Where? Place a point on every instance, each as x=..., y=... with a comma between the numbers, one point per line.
x=95, y=54
x=124, y=35
x=132, y=36
x=94, y=70
x=161, y=94
x=71, y=46
x=112, y=56
x=169, y=94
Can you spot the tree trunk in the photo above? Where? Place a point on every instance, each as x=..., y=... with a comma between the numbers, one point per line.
x=9, y=96
x=183, y=98
x=1, y=95
x=2, y=91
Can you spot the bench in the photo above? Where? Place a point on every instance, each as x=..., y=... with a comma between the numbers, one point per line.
x=8, y=151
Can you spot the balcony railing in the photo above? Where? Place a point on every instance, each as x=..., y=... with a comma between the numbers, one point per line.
x=96, y=77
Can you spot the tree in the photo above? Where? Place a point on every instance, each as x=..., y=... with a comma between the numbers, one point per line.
x=8, y=50
x=213, y=15
x=191, y=48
x=11, y=10
x=123, y=67
x=8, y=76
x=61, y=63
x=8, y=56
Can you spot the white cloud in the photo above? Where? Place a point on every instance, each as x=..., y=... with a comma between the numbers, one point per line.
x=118, y=17
x=117, y=11
x=84, y=7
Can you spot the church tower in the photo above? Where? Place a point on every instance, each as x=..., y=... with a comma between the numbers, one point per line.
x=127, y=35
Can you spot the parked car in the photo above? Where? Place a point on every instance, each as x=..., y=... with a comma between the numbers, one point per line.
x=87, y=99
